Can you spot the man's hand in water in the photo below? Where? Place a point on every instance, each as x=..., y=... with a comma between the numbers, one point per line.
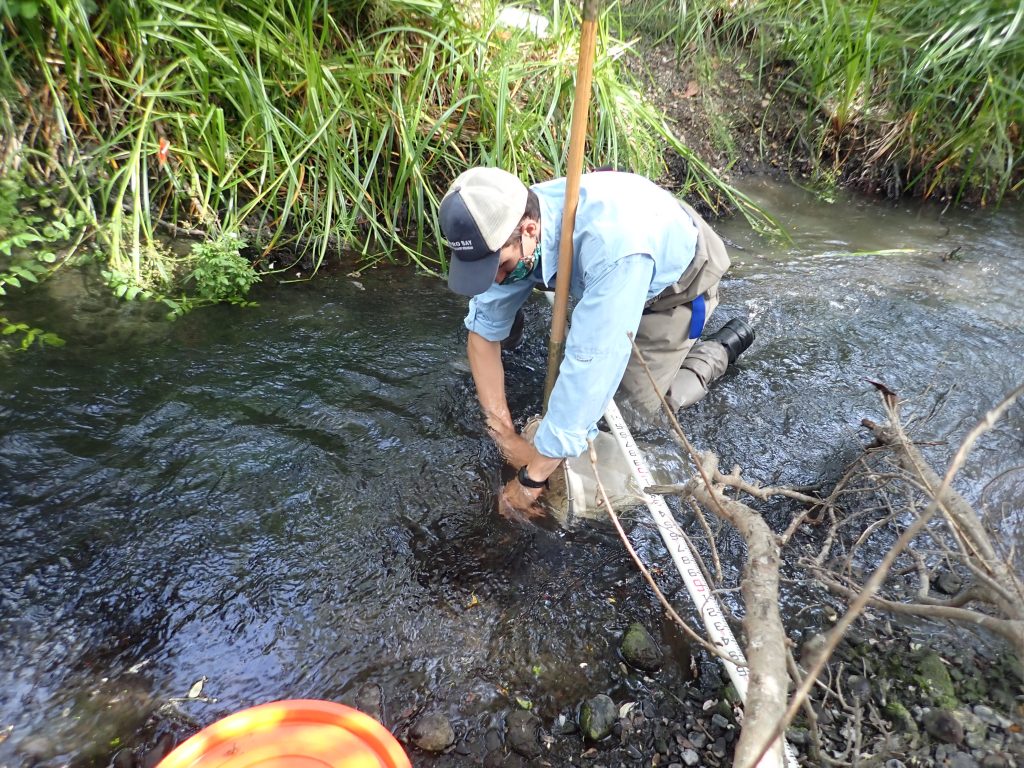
x=517, y=450
x=520, y=504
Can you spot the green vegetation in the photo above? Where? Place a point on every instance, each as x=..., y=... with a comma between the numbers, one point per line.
x=311, y=126
x=920, y=96
x=298, y=124
x=33, y=227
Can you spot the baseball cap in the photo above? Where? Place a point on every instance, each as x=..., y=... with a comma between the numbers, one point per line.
x=478, y=214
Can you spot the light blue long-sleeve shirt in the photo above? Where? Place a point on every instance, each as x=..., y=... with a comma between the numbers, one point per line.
x=631, y=240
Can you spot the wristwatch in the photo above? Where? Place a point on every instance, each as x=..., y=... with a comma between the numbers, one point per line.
x=528, y=482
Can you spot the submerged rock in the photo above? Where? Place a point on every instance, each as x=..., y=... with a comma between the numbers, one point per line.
x=524, y=733
x=163, y=746
x=949, y=583
x=597, y=716
x=370, y=699
x=943, y=725
x=640, y=649
x=433, y=732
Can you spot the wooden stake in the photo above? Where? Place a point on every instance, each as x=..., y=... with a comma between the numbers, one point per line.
x=577, y=146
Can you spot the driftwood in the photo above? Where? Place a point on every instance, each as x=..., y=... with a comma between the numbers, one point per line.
x=762, y=622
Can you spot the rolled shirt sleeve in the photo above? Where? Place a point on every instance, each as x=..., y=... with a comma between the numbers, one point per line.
x=491, y=313
x=597, y=352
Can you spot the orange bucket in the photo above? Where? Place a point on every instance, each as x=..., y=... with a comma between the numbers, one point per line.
x=291, y=734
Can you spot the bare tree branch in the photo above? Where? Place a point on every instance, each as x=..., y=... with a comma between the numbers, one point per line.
x=1010, y=629
x=867, y=593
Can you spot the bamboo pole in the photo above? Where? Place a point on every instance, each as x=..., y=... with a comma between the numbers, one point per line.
x=577, y=146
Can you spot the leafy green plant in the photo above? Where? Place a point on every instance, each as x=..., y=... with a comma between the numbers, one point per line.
x=213, y=272
x=221, y=273
x=33, y=228
x=28, y=334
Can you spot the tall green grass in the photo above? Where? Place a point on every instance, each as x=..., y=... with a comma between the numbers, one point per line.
x=304, y=124
x=925, y=96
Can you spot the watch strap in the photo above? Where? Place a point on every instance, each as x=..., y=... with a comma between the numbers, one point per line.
x=528, y=482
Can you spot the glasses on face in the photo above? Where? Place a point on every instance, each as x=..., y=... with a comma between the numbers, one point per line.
x=522, y=268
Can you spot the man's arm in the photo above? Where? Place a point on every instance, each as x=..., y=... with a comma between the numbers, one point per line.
x=596, y=354
x=489, y=377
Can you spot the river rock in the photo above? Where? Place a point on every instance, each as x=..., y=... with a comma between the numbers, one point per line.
x=523, y=734
x=990, y=716
x=859, y=687
x=975, y=730
x=564, y=726
x=370, y=699
x=597, y=716
x=719, y=750
x=798, y=736
x=640, y=649
x=433, y=732
x=949, y=583
x=996, y=760
x=811, y=650
x=690, y=757
x=962, y=760
x=943, y=725
x=900, y=717
x=37, y=748
x=492, y=740
x=719, y=721
x=160, y=749
x=933, y=677
x=825, y=714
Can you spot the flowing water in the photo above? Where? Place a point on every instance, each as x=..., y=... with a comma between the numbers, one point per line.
x=298, y=499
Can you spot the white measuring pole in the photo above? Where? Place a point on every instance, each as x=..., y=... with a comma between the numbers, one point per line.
x=700, y=592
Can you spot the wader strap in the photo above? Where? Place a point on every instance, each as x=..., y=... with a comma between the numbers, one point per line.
x=698, y=309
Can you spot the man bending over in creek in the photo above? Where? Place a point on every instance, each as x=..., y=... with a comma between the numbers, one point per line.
x=644, y=263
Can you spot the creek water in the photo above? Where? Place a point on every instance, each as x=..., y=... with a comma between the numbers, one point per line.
x=298, y=499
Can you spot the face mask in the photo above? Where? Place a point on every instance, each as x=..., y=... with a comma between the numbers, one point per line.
x=523, y=268
x=521, y=272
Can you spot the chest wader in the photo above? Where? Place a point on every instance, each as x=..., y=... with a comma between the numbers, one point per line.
x=682, y=364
